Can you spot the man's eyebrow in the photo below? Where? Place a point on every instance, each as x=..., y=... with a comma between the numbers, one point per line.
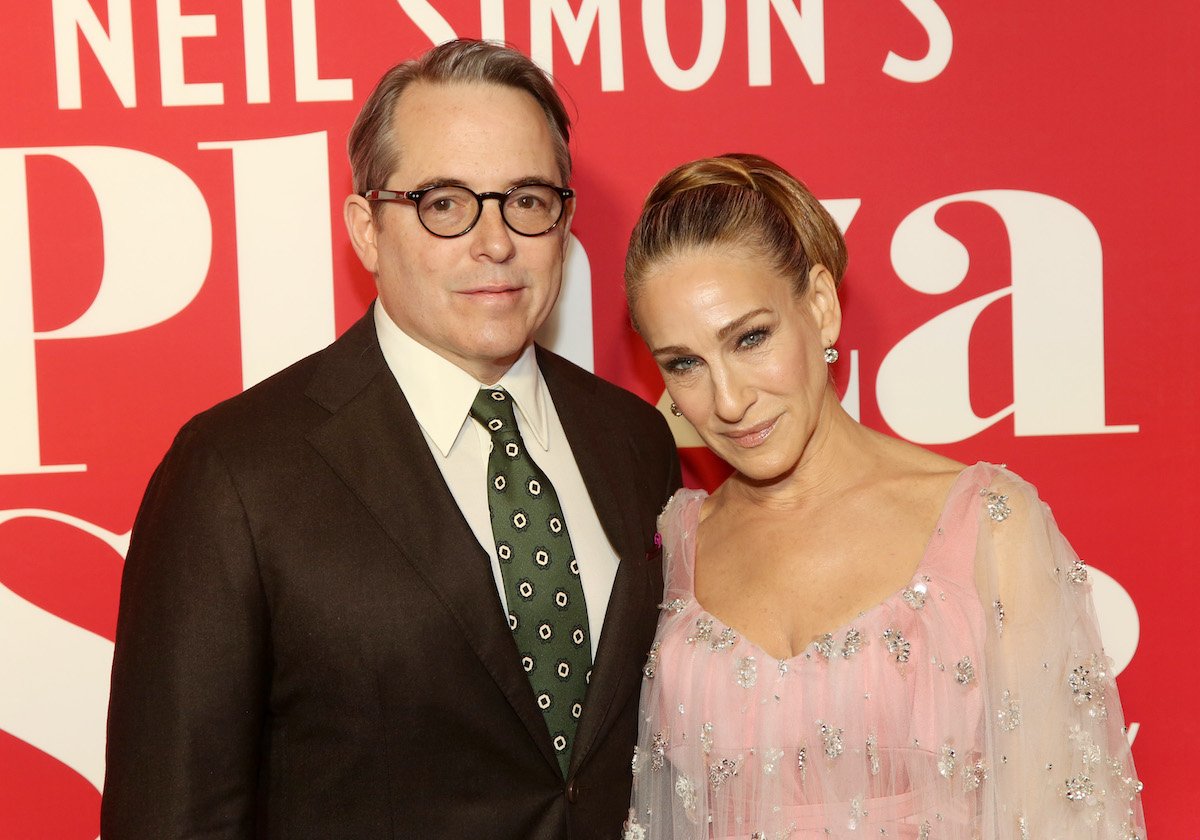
x=445, y=181
x=441, y=181
x=532, y=179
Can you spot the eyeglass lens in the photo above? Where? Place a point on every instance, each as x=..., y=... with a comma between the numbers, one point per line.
x=529, y=210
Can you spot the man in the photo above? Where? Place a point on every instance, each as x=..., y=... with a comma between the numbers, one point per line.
x=358, y=602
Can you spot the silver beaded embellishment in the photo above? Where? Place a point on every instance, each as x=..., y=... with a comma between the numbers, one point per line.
x=658, y=750
x=746, y=671
x=915, y=595
x=1009, y=713
x=964, y=671
x=833, y=740
x=703, y=631
x=1078, y=788
x=632, y=829
x=722, y=771
x=725, y=639
x=770, y=760
x=974, y=776
x=853, y=643
x=997, y=505
x=947, y=762
x=1087, y=682
x=1078, y=574
x=651, y=666
x=897, y=645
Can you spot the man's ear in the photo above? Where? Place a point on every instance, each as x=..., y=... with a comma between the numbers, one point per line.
x=360, y=224
x=823, y=300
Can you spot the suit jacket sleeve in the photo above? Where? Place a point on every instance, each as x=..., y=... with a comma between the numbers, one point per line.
x=191, y=660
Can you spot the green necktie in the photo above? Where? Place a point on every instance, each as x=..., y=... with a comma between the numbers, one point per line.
x=546, y=609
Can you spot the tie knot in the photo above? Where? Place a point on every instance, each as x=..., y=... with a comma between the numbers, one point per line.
x=493, y=407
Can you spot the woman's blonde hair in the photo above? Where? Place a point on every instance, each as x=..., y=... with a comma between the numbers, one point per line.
x=735, y=200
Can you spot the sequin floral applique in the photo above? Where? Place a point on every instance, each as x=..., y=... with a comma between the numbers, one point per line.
x=833, y=740
x=633, y=830
x=997, y=505
x=915, y=595
x=897, y=645
x=722, y=771
x=1009, y=714
x=746, y=671
x=658, y=750
x=651, y=666
x=964, y=671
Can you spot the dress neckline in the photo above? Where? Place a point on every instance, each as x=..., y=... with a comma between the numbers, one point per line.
x=698, y=499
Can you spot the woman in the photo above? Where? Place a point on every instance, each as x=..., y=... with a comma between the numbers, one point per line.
x=859, y=638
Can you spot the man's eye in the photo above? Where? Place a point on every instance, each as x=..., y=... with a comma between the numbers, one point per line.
x=528, y=202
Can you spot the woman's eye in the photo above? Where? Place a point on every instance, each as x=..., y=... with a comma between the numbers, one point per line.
x=753, y=338
x=682, y=364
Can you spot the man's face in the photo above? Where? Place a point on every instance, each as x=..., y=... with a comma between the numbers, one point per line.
x=478, y=298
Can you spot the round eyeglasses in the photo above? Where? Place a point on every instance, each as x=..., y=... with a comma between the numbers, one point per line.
x=450, y=211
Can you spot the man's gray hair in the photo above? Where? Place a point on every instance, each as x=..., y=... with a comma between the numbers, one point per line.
x=373, y=154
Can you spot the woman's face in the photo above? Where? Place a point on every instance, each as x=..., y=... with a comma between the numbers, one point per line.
x=741, y=354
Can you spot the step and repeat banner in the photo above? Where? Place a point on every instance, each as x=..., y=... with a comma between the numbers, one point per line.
x=1017, y=182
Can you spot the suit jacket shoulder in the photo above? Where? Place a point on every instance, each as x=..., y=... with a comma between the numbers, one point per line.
x=298, y=397
x=609, y=411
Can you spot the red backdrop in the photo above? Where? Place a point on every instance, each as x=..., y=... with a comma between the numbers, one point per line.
x=1016, y=181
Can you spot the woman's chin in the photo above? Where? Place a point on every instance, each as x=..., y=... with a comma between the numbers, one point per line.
x=760, y=467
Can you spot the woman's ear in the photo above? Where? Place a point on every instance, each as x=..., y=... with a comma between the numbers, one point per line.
x=823, y=300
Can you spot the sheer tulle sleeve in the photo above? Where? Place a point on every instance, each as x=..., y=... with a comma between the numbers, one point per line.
x=1060, y=758
x=663, y=814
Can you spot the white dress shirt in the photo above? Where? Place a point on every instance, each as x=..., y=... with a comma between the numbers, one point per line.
x=440, y=394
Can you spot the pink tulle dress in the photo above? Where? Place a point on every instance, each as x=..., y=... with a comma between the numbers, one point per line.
x=976, y=702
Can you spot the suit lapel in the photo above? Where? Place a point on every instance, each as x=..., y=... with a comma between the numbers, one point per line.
x=374, y=444
x=606, y=463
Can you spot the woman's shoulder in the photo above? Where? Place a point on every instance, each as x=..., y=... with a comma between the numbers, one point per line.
x=919, y=473
x=1002, y=494
x=682, y=507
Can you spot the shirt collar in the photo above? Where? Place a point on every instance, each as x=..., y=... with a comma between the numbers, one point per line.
x=440, y=393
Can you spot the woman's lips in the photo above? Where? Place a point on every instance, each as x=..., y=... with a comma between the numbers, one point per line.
x=753, y=436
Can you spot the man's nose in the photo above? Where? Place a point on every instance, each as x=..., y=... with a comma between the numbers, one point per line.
x=491, y=237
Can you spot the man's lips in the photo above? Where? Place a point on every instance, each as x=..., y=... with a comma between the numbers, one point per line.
x=496, y=290
x=752, y=436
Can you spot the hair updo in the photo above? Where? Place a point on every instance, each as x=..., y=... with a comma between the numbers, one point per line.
x=735, y=200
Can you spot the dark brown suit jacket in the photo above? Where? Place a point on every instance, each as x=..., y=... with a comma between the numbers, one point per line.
x=310, y=644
